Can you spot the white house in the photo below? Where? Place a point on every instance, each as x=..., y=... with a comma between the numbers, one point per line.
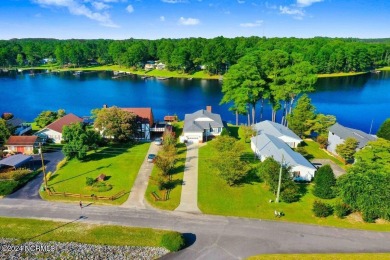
x=265, y=145
x=201, y=125
x=338, y=134
x=53, y=131
x=279, y=131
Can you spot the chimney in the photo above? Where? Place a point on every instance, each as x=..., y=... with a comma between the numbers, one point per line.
x=208, y=108
x=104, y=106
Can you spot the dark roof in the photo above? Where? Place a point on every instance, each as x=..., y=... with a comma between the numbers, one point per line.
x=144, y=114
x=15, y=122
x=22, y=140
x=345, y=132
x=16, y=160
x=201, y=120
x=63, y=121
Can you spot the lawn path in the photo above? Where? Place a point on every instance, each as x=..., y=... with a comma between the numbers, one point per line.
x=137, y=192
x=189, y=191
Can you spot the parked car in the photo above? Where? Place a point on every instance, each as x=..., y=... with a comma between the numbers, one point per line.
x=151, y=157
x=158, y=141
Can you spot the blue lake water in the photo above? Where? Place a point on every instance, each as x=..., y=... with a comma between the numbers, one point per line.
x=356, y=101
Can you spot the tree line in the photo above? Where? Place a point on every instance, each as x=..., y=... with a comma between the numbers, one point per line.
x=216, y=55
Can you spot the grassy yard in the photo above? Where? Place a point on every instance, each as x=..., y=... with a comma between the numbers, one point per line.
x=342, y=256
x=315, y=152
x=251, y=199
x=41, y=230
x=119, y=163
x=177, y=177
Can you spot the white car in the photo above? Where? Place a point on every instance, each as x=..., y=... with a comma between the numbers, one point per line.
x=158, y=141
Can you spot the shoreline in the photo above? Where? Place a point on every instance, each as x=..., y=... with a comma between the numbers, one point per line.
x=175, y=74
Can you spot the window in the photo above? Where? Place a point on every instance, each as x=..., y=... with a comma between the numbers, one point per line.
x=297, y=174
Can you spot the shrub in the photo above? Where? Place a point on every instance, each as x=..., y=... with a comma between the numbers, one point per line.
x=341, y=209
x=325, y=182
x=369, y=216
x=290, y=194
x=321, y=209
x=89, y=181
x=61, y=164
x=101, y=187
x=173, y=241
x=49, y=175
x=323, y=141
x=7, y=187
x=16, y=175
x=7, y=116
x=224, y=132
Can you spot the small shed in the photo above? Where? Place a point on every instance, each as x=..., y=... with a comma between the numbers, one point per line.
x=101, y=177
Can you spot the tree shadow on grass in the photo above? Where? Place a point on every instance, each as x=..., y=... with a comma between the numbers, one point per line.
x=109, y=152
x=81, y=174
x=250, y=178
x=24, y=240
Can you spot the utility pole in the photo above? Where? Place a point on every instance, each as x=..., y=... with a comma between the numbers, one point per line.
x=280, y=180
x=43, y=165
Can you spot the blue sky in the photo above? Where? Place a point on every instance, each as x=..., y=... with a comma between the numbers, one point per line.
x=154, y=19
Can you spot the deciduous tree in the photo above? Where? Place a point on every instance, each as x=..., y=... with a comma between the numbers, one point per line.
x=384, y=130
x=116, y=123
x=347, y=149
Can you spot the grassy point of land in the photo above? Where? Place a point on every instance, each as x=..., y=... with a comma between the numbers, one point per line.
x=385, y=68
x=42, y=230
x=120, y=164
x=340, y=74
x=177, y=177
x=340, y=256
x=252, y=200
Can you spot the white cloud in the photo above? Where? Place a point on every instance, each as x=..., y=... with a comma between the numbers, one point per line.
x=76, y=8
x=255, y=24
x=130, y=9
x=100, y=6
x=162, y=18
x=305, y=3
x=297, y=13
x=188, y=21
x=173, y=1
x=241, y=1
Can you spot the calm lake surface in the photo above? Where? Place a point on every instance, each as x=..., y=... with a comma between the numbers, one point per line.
x=356, y=101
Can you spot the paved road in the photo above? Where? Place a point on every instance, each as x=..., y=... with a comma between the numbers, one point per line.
x=189, y=190
x=213, y=237
x=31, y=189
x=137, y=193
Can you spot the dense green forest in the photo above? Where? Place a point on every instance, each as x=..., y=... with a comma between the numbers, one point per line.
x=327, y=55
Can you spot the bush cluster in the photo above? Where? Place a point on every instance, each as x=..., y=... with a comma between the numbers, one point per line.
x=7, y=187
x=101, y=186
x=61, y=164
x=16, y=175
x=341, y=210
x=173, y=241
x=89, y=181
x=321, y=209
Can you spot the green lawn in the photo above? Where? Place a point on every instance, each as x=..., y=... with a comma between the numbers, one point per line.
x=340, y=74
x=42, y=230
x=120, y=163
x=252, y=200
x=315, y=152
x=177, y=177
x=341, y=256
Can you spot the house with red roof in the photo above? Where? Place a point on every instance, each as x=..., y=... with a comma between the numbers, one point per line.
x=145, y=120
x=53, y=131
x=22, y=144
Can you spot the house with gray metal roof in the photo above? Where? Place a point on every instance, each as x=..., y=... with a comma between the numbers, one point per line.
x=338, y=134
x=279, y=131
x=201, y=125
x=265, y=145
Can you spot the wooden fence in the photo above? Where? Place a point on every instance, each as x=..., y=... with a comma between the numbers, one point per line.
x=80, y=196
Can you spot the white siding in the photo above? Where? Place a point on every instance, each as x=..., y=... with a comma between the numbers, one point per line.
x=333, y=141
x=292, y=142
x=51, y=134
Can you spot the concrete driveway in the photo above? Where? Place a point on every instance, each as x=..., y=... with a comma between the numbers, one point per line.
x=337, y=170
x=31, y=189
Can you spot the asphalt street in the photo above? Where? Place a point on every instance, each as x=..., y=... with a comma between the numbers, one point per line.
x=212, y=237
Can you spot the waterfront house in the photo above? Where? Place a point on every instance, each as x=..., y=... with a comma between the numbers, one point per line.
x=53, y=131
x=279, y=131
x=22, y=144
x=18, y=126
x=338, y=134
x=145, y=121
x=265, y=145
x=201, y=125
